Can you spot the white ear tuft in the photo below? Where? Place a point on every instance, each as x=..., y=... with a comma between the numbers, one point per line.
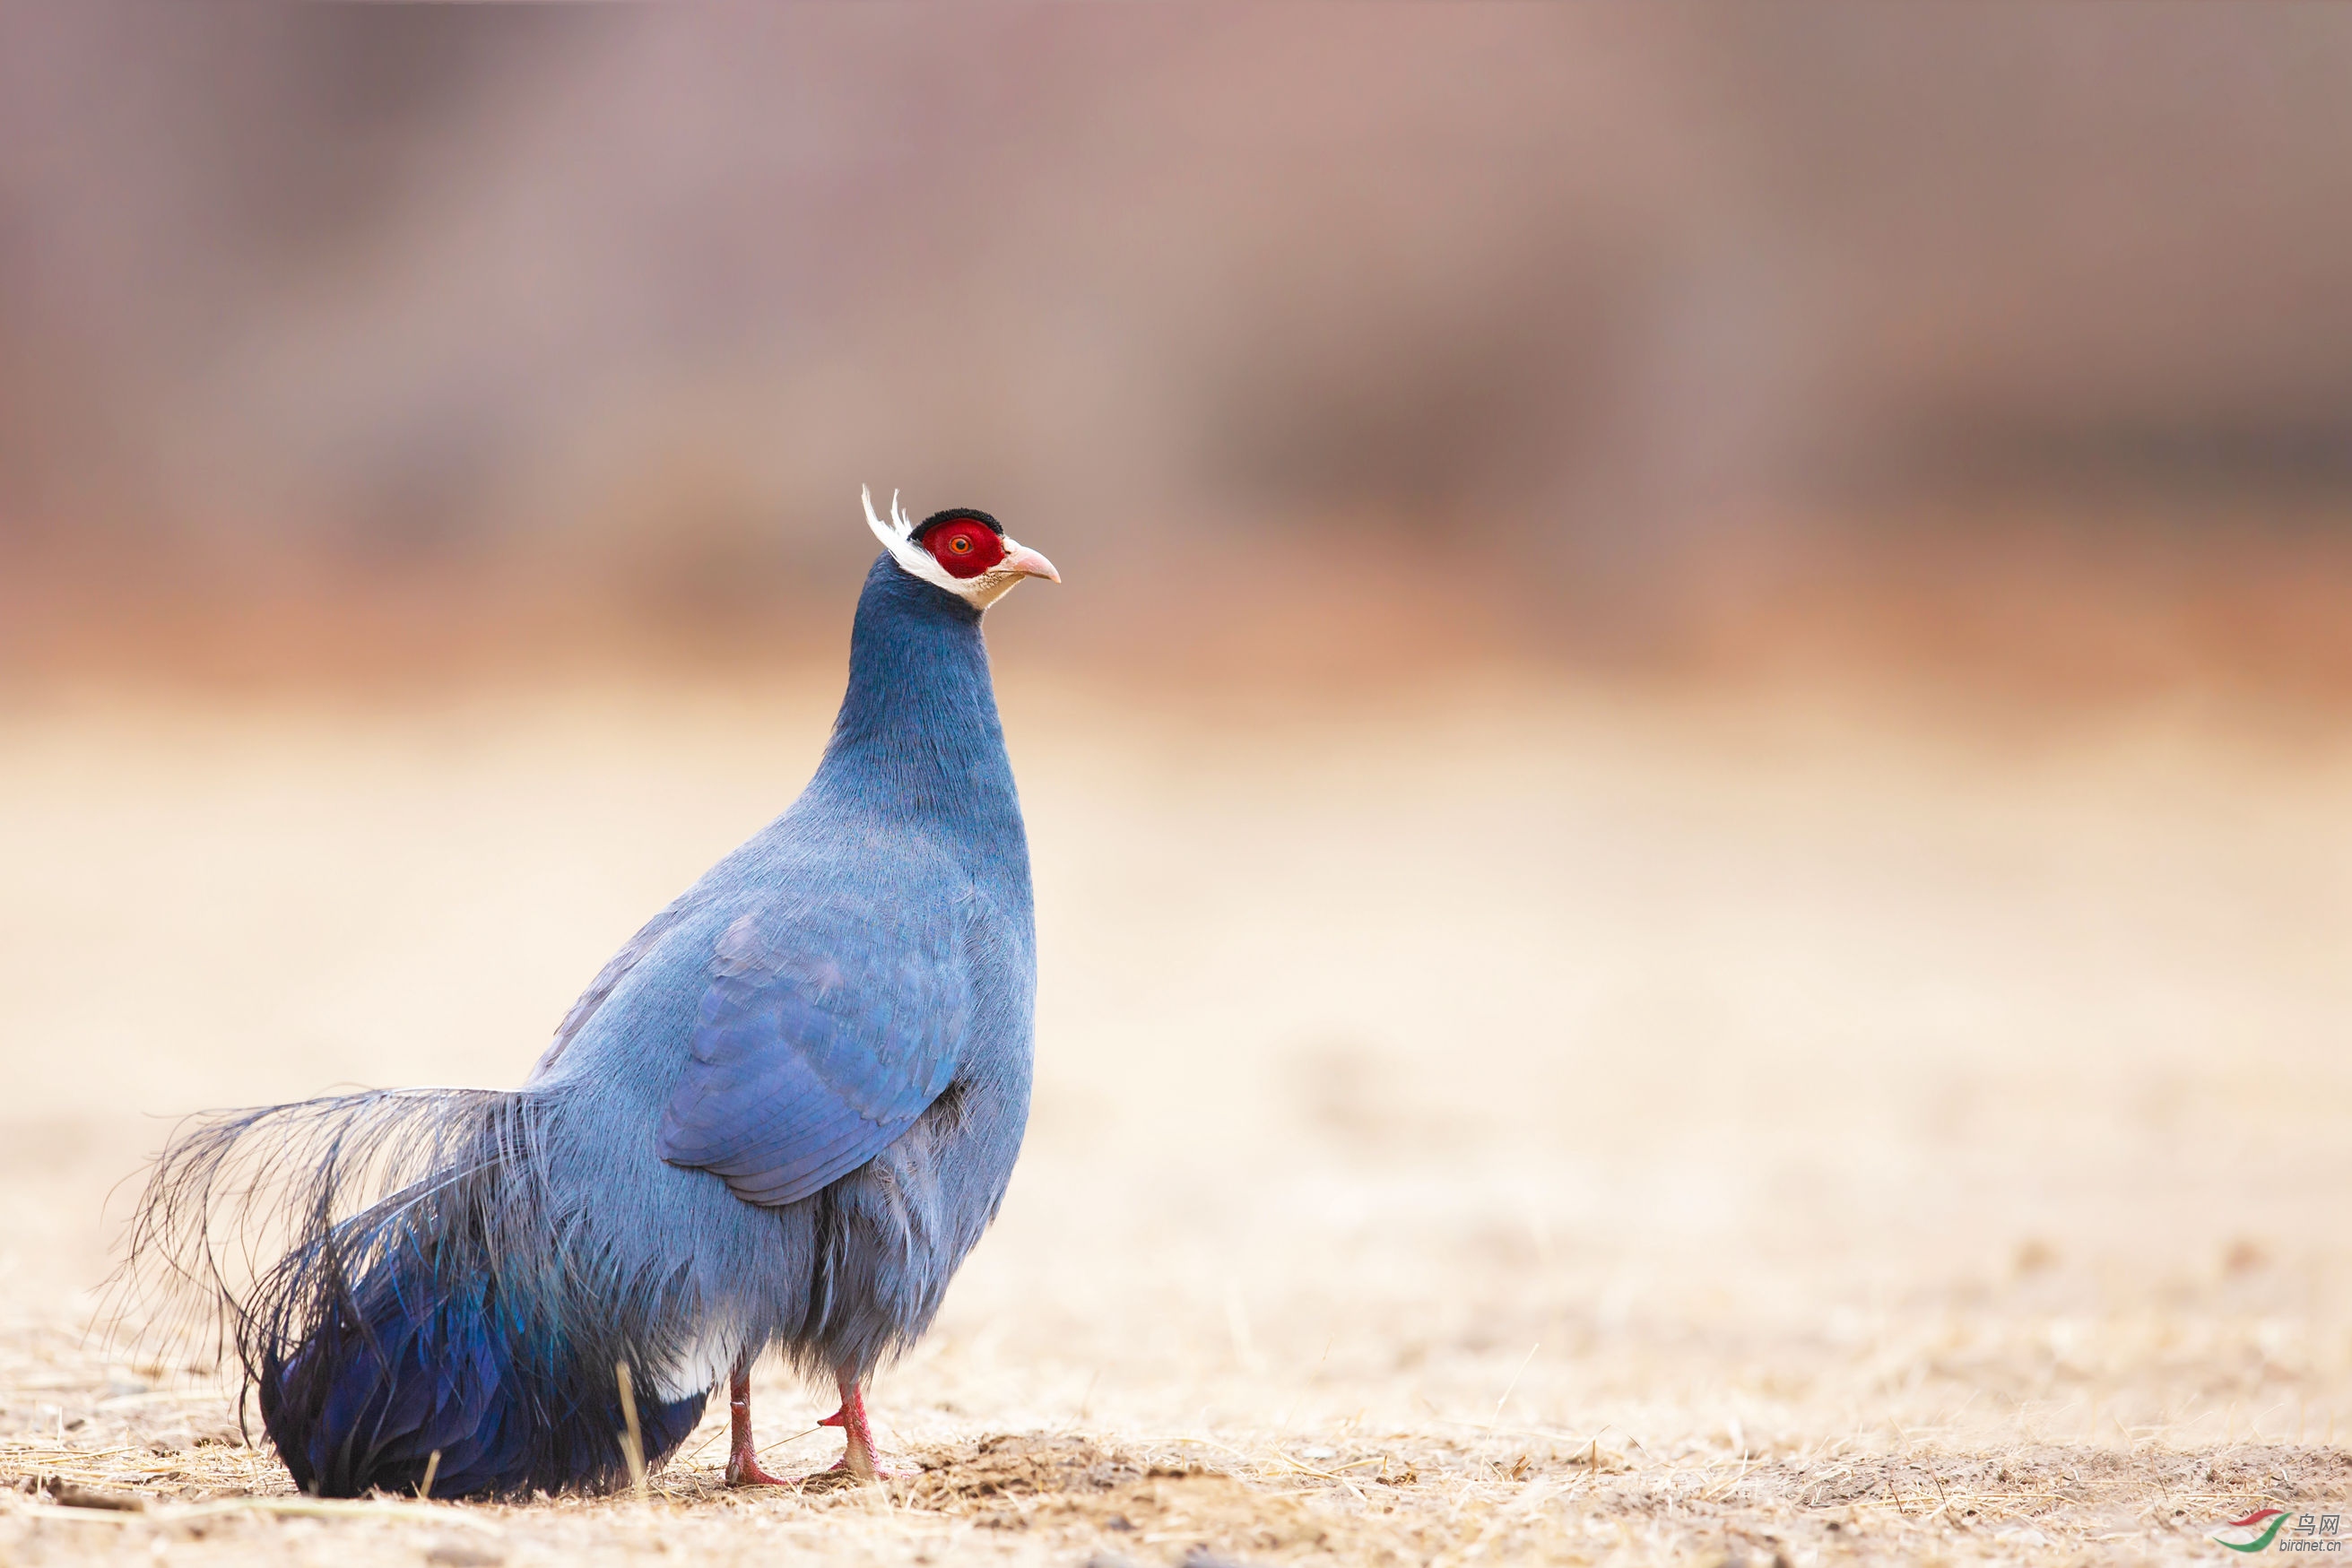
x=891, y=537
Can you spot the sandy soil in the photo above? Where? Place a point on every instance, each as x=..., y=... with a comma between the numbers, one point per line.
x=1498, y=1122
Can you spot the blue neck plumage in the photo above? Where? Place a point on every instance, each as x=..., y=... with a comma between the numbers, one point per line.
x=918, y=735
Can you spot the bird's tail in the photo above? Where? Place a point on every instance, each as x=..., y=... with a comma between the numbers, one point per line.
x=434, y=1306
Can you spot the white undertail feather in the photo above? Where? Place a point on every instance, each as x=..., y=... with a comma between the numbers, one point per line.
x=703, y=1363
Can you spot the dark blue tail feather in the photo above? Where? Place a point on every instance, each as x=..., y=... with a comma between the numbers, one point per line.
x=469, y=1313
x=380, y=1386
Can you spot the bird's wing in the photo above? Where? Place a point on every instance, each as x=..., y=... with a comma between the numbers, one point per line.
x=818, y=1042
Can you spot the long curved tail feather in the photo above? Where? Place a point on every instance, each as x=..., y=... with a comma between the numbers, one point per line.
x=398, y=1278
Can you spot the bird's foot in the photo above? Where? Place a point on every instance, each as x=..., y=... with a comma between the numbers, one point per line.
x=841, y=1470
x=860, y=1461
x=743, y=1459
x=743, y=1471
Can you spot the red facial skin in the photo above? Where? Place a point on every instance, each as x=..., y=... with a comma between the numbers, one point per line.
x=964, y=548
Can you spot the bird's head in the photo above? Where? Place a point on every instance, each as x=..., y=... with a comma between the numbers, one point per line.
x=961, y=551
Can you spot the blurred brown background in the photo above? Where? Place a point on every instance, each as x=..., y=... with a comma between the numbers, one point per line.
x=1689, y=794
x=349, y=340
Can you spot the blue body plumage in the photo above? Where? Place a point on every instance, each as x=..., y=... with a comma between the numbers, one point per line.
x=779, y=1118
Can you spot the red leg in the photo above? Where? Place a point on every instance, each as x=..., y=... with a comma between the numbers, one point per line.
x=743, y=1464
x=858, y=1460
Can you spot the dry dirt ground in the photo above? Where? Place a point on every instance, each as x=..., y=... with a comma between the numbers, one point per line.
x=1493, y=1123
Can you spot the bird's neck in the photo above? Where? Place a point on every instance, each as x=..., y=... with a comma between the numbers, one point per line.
x=917, y=737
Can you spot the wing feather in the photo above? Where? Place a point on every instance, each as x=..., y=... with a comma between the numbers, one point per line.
x=816, y=1045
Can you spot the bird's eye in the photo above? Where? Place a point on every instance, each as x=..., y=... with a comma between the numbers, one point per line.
x=964, y=548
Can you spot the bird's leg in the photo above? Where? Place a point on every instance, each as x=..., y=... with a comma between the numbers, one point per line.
x=742, y=1463
x=858, y=1459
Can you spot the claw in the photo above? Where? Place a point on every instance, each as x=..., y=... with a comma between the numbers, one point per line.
x=743, y=1471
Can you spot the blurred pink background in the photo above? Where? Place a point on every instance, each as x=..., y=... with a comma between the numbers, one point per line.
x=346, y=340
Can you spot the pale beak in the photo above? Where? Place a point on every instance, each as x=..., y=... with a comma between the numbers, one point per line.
x=1027, y=562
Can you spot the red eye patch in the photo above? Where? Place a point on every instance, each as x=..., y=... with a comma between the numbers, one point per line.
x=965, y=548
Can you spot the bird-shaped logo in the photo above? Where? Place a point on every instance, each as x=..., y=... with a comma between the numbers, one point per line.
x=2267, y=1519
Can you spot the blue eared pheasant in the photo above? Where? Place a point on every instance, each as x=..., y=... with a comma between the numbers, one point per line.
x=779, y=1118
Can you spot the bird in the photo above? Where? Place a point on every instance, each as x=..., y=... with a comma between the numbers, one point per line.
x=778, y=1119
